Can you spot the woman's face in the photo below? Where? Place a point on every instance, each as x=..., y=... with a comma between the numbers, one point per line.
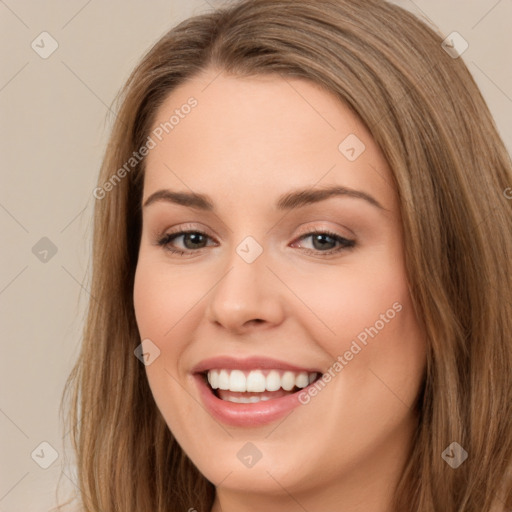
x=255, y=300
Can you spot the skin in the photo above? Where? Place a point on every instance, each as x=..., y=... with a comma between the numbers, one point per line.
x=248, y=141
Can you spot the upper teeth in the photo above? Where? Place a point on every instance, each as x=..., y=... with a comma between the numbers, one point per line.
x=258, y=380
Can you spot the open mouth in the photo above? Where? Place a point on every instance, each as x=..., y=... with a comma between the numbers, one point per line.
x=246, y=387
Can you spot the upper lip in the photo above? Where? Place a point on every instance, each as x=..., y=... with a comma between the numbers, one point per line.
x=248, y=363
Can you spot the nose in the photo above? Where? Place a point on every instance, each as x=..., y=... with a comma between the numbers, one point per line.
x=247, y=296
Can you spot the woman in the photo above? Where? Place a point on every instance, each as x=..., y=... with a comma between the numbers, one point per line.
x=233, y=360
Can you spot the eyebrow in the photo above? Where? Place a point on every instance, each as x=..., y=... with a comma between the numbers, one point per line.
x=288, y=201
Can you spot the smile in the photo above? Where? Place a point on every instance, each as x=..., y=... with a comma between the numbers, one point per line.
x=256, y=385
x=251, y=392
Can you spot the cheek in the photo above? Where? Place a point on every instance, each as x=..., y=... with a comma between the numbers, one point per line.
x=162, y=299
x=169, y=304
x=164, y=305
x=346, y=300
x=364, y=315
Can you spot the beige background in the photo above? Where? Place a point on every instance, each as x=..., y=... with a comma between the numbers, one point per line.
x=54, y=126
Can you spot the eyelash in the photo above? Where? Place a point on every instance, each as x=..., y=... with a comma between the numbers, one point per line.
x=346, y=243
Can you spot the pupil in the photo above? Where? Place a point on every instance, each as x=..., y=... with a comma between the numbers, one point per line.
x=194, y=238
x=321, y=239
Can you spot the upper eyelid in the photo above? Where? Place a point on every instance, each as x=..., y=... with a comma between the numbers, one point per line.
x=192, y=229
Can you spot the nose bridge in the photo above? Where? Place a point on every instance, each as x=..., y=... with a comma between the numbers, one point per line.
x=247, y=290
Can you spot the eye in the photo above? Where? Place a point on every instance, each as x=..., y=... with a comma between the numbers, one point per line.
x=325, y=242
x=192, y=240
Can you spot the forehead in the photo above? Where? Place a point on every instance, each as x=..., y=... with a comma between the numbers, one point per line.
x=246, y=136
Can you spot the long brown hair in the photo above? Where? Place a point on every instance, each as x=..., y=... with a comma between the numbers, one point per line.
x=452, y=173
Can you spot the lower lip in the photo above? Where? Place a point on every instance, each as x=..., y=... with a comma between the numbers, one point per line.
x=246, y=415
